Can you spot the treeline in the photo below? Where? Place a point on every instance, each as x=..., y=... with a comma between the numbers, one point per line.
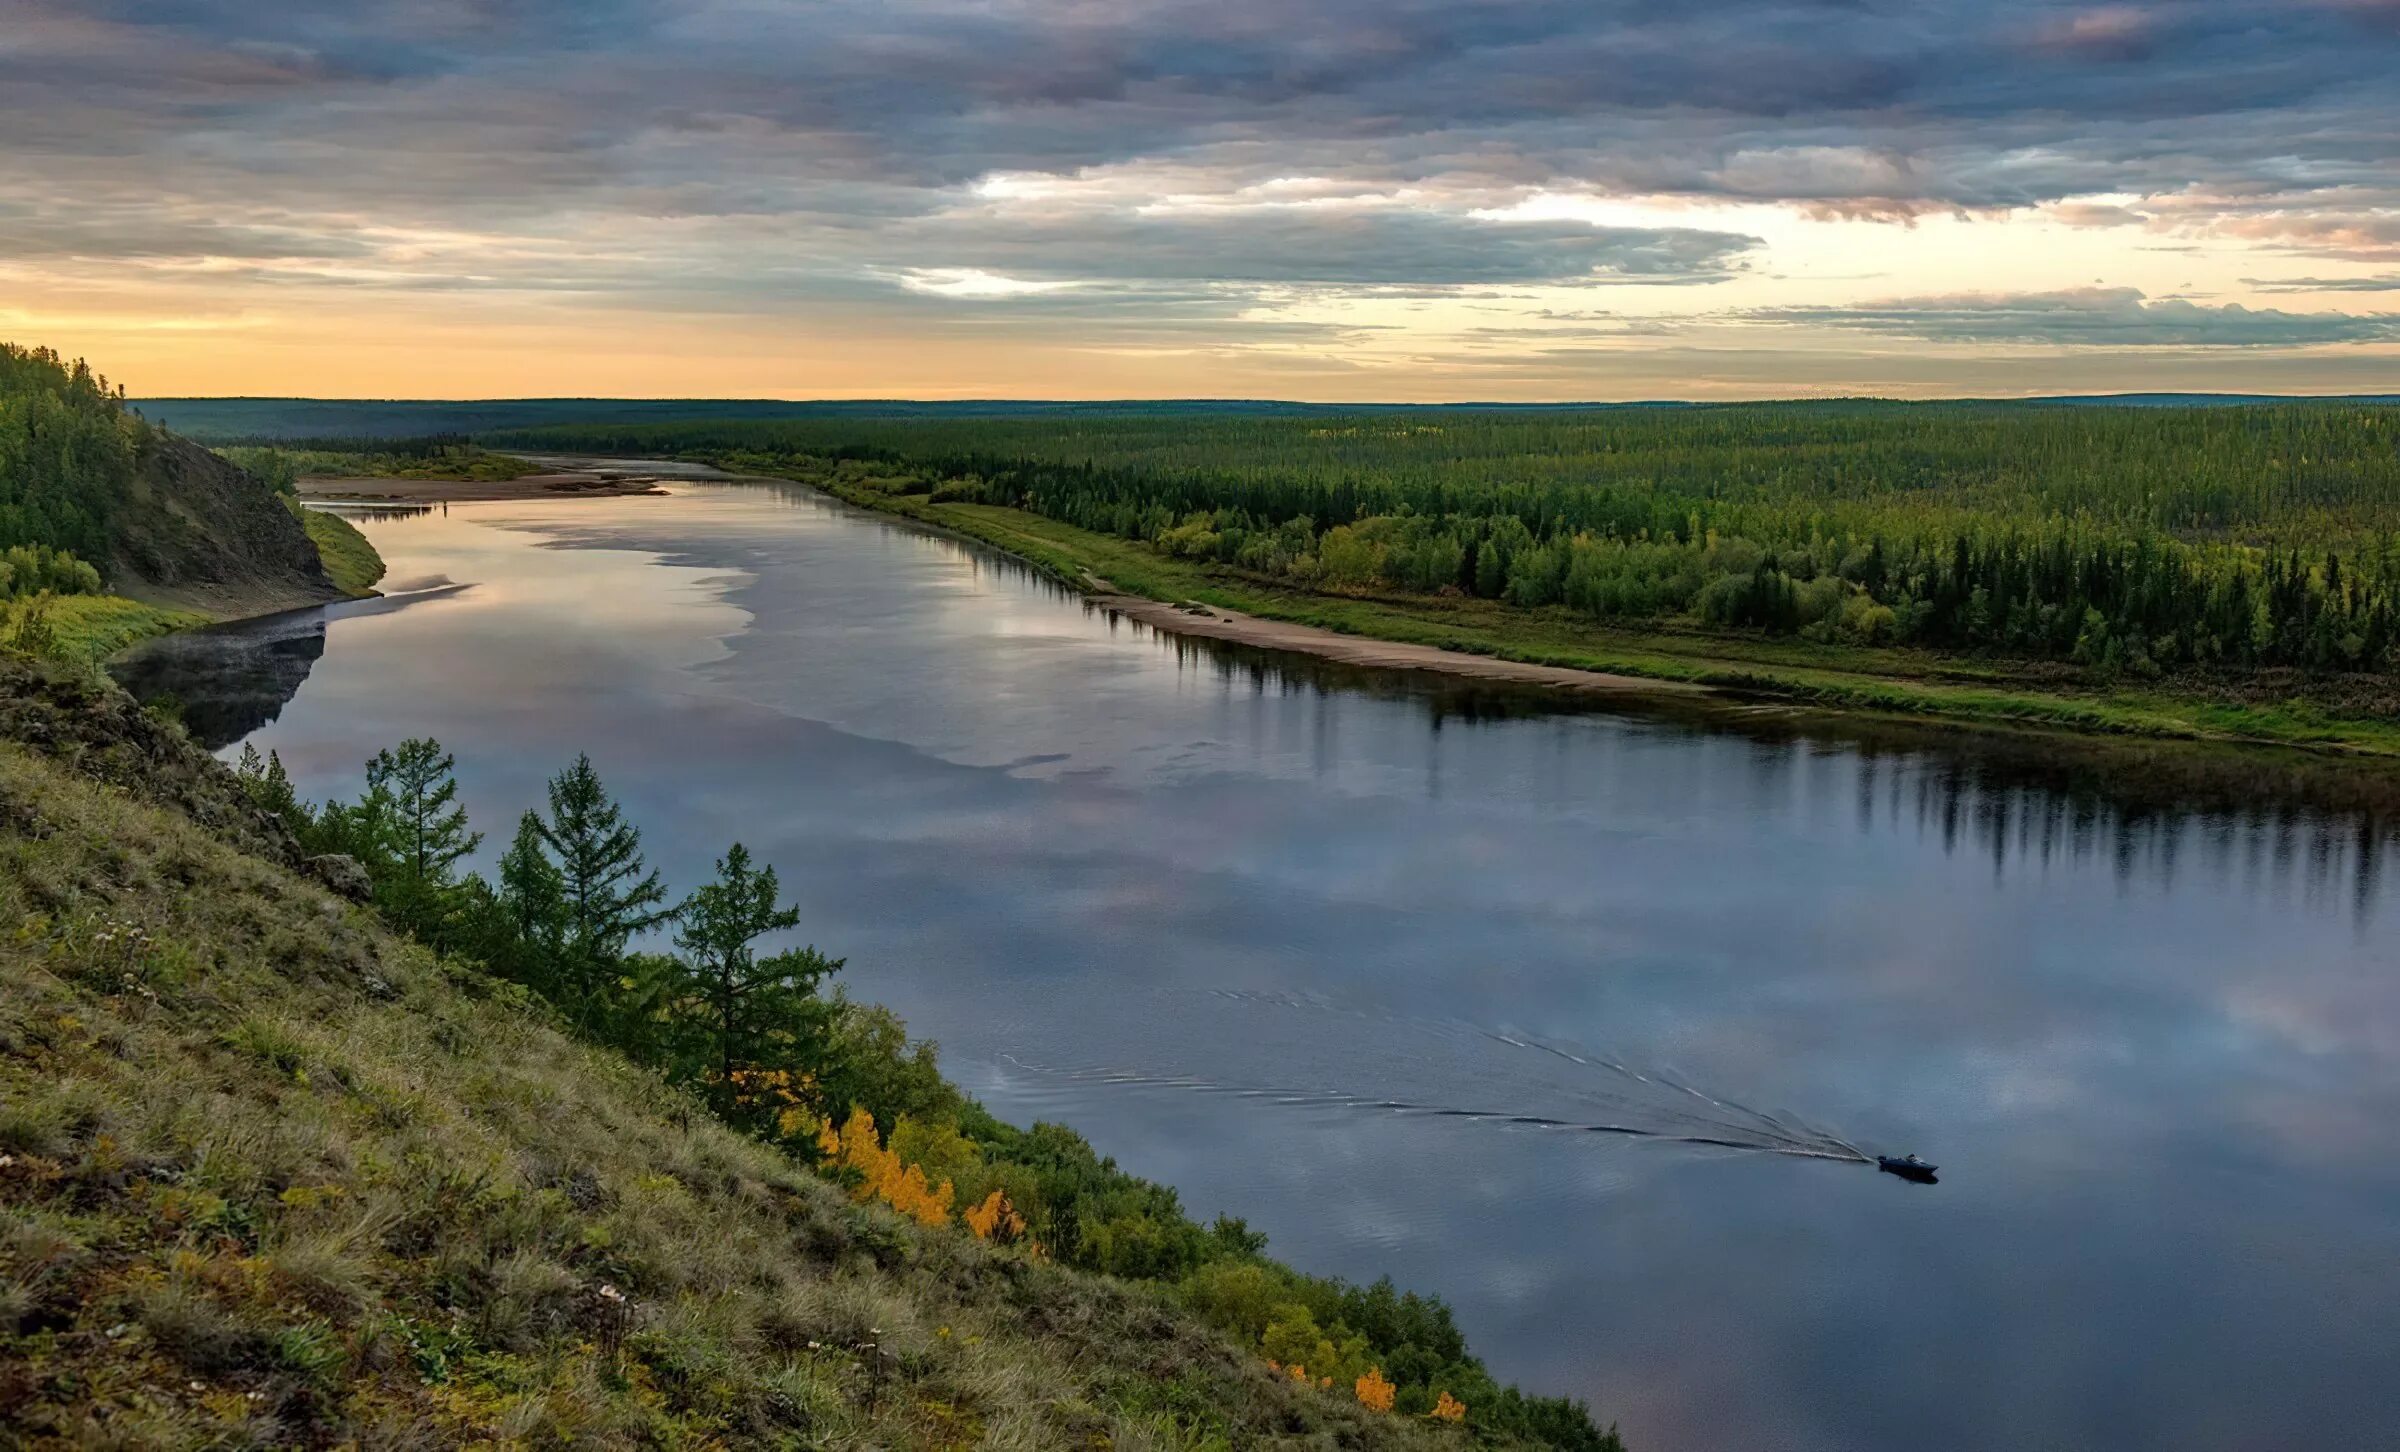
x=2132, y=539
x=761, y=1037
x=283, y=463
x=69, y=450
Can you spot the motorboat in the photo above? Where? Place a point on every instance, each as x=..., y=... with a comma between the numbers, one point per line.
x=1907, y=1167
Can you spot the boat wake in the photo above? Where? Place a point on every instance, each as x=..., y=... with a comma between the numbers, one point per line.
x=1627, y=1103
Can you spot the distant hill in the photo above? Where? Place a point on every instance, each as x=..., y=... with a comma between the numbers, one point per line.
x=240, y=420
x=243, y=420
x=163, y=520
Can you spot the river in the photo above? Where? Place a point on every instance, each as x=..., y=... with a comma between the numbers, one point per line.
x=2151, y=1032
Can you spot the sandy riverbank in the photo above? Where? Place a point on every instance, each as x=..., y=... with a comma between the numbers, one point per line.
x=556, y=484
x=1359, y=650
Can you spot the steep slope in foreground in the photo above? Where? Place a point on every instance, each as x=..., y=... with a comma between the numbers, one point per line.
x=271, y=1176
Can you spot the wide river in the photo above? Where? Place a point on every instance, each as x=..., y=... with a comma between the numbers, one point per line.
x=1122, y=877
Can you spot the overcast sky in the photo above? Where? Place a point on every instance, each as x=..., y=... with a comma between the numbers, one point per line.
x=1337, y=199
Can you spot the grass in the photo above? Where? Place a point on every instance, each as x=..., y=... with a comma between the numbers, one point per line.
x=349, y=559
x=90, y=628
x=87, y=629
x=272, y=1176
x=1838, y=677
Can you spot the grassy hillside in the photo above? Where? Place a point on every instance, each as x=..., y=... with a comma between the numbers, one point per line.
x=349, y=559
x=112, y=530
x=272, y=1175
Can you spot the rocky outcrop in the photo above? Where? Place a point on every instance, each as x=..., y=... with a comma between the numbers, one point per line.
x=97, y=732
x=200, y=534
x=343, y=875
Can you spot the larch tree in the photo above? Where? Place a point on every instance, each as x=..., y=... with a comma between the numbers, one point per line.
x=607, y=894
x=422, y=829
x=756, y=1013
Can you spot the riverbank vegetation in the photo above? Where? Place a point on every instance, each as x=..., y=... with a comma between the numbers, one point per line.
x=69, y=456
x=274, y=1175
x=2204, y=571
x=282, y=464
x=764, y=1041
x=98, y=506
x=349, y=558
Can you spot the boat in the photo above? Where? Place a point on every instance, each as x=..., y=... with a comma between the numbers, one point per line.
x=1907, y=1167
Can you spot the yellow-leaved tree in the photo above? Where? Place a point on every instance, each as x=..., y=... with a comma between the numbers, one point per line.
x=1374, y=1393
x=881, y=1175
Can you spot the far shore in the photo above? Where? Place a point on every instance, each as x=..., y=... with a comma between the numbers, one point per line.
x=593, y=483
x=1218, y=623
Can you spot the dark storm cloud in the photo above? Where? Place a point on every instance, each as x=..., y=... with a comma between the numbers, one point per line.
x=2095, y=317
x=842, y=137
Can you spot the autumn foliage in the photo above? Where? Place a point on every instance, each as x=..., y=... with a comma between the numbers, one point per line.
x=1374, y=1393
x=881, y=1176
x=1450, y=1409
x=996, y=1219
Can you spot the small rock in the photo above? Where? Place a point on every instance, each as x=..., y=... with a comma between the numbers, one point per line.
x=341, y=872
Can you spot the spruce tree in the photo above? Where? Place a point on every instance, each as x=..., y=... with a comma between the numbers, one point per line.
x=756, y=1013
x=606, y=892
x=533, y=909
x=423, y=831
x=431, y=826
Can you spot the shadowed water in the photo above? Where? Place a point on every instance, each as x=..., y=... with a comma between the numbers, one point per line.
x=1353, y=954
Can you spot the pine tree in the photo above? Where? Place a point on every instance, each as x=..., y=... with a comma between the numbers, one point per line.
x=757, y=1012
x=422, y=832
x=533, y=908
x=607, y=895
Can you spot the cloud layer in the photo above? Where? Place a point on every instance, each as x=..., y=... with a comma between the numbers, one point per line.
x=1160, y=165
x=2095, y=317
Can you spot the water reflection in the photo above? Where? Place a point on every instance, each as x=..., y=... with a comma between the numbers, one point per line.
x=377, y=513
x=2136, y=1000
x=226, y=682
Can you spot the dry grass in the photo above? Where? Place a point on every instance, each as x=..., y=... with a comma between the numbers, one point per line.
x=272, y=1176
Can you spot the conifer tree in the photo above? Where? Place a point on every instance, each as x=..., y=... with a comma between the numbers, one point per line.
x=431, y=826
x=532, y=907
x=607, y=895
x=753, y=1012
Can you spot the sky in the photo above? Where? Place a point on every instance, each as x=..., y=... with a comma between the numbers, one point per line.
x=1404, y=200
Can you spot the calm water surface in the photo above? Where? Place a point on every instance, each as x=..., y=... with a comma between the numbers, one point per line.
x=2154, y=1044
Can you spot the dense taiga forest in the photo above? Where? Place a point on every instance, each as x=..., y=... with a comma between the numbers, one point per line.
x=2132, y=539
x=69, y=450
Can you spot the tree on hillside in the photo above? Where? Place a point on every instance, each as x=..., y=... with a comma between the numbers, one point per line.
x=431, y=825
x=755, y=1014
x=270, y=786
x=606, y=893
x=533, y=899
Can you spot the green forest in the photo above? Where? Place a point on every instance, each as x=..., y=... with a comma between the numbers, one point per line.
x=283, y=463
x=765, y=1041
x=2128, y=540
x=69, y=451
